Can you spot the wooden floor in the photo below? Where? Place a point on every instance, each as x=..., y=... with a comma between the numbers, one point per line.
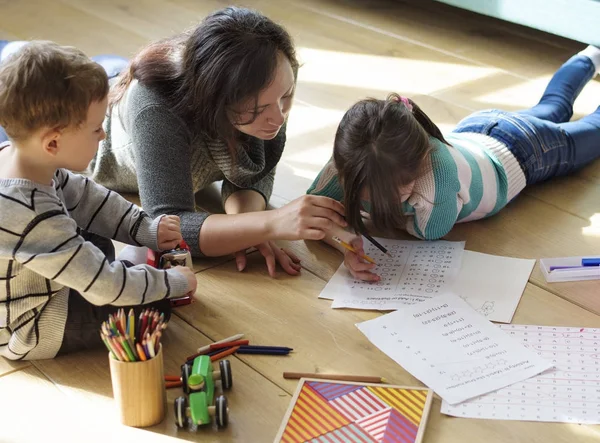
x=452, y=63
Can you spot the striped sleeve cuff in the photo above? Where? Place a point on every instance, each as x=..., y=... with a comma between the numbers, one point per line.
x=178, y=285
x=147, y=233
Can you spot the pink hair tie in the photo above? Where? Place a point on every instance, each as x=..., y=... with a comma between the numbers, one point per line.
x=406, y=103
x=404, y=100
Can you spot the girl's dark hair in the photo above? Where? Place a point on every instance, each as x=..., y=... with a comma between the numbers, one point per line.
x=204, y=72
x=380, y=146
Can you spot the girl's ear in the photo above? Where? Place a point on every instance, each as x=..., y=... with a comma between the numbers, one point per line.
x=51, y=142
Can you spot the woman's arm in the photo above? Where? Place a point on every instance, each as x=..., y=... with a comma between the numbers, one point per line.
x=306, y=218
x=162, y=154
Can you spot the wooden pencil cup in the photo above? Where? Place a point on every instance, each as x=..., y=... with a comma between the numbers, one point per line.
x=139, y=390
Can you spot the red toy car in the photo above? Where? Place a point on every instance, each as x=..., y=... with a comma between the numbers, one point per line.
x=180, y=256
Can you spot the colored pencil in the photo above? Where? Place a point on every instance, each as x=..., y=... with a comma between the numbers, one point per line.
x=229, y=344
x=140, y=352
x=377, y=244
x=225, y=340
x=263, y=351
x=339, y=377
x=131, y=325
x=127, y=349
x=120, y=349
x=224, y=353
x=173, y=384
x=351, y=249
x=266, y=348
x=129, y=343
x=109, y=347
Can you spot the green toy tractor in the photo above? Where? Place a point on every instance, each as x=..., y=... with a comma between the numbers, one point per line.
x=197, y=408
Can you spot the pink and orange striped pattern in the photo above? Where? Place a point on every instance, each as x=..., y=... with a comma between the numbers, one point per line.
x=312, y=416
x=346, y=413
x=409, y=402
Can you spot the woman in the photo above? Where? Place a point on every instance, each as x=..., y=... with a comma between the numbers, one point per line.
x=211, y=104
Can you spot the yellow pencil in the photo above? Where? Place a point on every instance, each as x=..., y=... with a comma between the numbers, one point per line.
x=131, y=325
x=351, y=249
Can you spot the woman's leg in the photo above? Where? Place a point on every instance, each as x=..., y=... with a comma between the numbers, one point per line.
x=556, y=104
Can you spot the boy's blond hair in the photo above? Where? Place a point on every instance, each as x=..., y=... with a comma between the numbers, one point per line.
x=44, y=85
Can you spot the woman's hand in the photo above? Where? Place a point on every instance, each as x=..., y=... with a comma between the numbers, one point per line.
x=273, y=255
x=169, y=232
x=359, y=269
x=306, y=218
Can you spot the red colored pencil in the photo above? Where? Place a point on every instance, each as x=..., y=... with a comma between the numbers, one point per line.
x=144, y=323
x=224, y=353
x=227, y=345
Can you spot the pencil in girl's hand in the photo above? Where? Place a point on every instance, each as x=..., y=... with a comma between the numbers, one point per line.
x=377, y=244
x=351, y=249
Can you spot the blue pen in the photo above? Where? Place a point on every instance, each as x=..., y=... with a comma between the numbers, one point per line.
x=555, y=268
x=590, y=262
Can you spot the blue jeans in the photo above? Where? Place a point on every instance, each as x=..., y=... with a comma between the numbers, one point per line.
x=542, y=139
x=112, y=64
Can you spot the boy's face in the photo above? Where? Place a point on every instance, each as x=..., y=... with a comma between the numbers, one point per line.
x=78, y=146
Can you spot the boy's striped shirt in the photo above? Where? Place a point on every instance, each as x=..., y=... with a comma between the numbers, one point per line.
x=42, y=256
x=473, y=178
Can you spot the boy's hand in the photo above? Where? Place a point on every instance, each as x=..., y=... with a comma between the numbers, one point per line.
x=191, y=278
x=356, y=265
x=169, y=232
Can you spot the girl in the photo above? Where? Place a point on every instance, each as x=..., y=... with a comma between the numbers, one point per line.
x=390, y=160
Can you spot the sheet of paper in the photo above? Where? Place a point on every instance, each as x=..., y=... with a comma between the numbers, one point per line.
x=452, y=349
x=568, y=393
x=491, y=284
x=417, y=271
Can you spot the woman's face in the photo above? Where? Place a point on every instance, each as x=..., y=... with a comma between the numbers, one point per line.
x=273, y=106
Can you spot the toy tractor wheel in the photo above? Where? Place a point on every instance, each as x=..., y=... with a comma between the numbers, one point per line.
x=181, y=418
x=226, y=377
x=186, y=370
x=222, y=413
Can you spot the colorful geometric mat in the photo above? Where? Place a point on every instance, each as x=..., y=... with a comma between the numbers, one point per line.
x=337, y=412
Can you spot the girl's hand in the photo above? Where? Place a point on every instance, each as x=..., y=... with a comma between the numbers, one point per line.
x=360, y=269
x=272, y=254
x=306, y=218
x=169, y=232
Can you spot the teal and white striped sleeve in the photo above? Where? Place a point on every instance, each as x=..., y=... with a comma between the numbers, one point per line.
x=327, y=183
x=435, y=201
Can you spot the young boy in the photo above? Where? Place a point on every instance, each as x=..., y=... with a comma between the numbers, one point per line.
x=52, y=281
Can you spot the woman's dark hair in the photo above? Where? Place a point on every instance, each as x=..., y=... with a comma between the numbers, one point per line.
x=380, y=146
x=205, y=72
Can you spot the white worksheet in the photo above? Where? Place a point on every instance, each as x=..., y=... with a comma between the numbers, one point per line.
x=491, y=284
x=452, y=349
x=417, y=271
x=568, y=393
